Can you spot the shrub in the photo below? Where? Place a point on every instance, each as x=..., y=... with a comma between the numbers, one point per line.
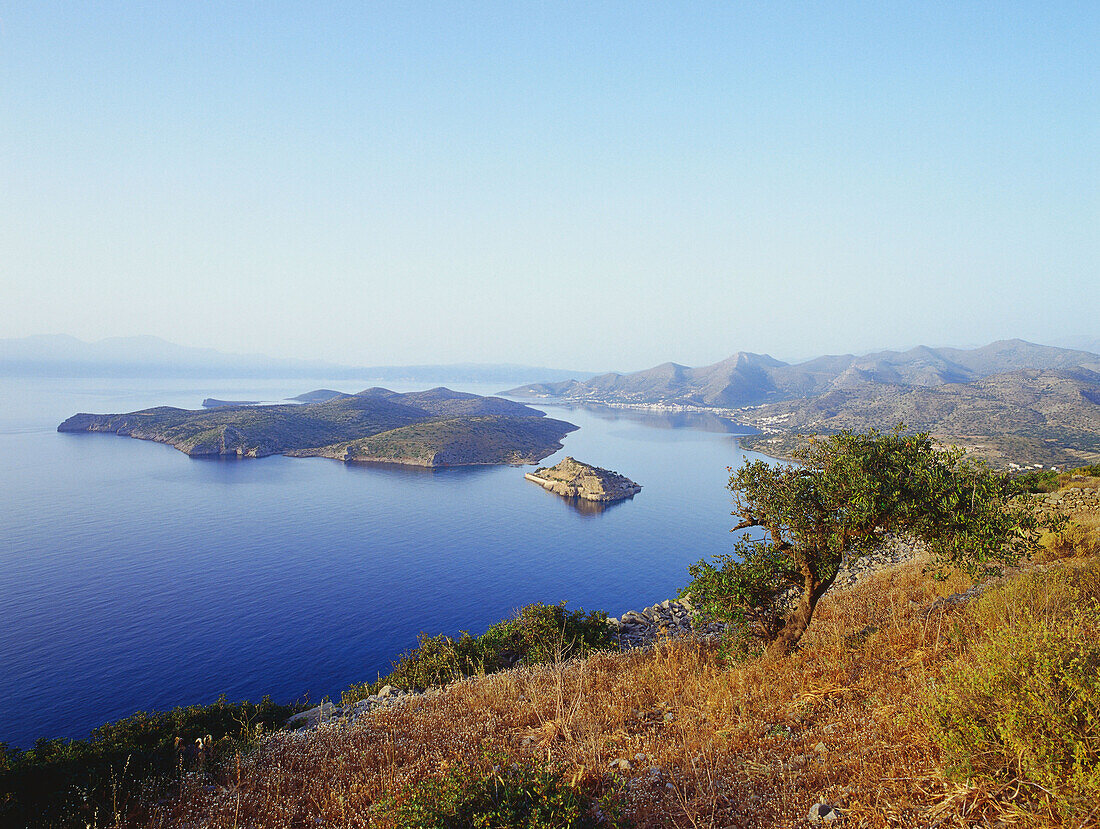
x=1022, y=703
x=1039, y=480
x=1078, y=537
x=503, y=797
x=69, y=782
x=538, y=633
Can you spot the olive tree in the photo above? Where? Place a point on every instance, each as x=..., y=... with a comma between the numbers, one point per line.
x=839, y=500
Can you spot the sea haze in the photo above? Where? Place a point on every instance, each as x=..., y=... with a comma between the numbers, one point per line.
x=133, y=577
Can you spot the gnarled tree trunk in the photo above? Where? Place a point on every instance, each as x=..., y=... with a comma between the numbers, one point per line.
x=813, y=588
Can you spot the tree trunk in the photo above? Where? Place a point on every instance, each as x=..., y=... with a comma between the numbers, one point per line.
x=796, y=623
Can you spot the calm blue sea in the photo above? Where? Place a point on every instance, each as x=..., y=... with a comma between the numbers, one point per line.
x=135, y=578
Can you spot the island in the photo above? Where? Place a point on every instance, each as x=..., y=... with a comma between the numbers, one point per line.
x=573, y=479
x=434, y=428
x=215, y=403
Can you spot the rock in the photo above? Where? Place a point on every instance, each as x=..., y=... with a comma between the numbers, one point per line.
x=313, y=716
x=622, y=764
x=823, y=813
x=572, y=479
x=386, y=690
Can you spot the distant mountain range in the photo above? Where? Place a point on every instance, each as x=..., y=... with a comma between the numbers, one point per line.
x=748, y=379
x=1011, y=401
x=64, y=356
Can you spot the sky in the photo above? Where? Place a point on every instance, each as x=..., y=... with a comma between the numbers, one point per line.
x=581, y=185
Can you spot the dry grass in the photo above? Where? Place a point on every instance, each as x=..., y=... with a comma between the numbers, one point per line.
x=711, y=744
x=1079, y=537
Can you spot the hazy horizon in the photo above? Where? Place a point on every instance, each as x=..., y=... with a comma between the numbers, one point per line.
x=165, y=350
x=587, y=186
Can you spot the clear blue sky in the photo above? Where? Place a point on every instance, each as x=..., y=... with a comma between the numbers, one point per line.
x=590, y=185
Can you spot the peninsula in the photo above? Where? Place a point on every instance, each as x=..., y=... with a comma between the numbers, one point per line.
x=433, y=428
x=573, y=479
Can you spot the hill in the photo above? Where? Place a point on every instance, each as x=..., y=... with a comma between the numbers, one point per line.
x=438, y=427
x=1012, y=401
x=748, y=379
x=1022, y=417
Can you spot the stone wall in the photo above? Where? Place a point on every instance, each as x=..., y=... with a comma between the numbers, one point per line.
x=1074, y=500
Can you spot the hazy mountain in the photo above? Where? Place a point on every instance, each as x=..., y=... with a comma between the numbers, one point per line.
x=1082, y=342
x=747, y=379
x=65, y=356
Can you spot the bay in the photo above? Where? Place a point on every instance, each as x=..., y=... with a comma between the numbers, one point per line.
x=133, y=577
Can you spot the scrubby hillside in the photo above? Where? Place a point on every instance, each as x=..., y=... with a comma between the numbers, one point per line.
x=910, y=703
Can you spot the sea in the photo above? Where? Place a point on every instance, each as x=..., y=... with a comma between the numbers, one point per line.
x=135, y=578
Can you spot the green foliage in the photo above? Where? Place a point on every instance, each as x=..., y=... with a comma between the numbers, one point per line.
x=515, y=796
x=1037, y=480
x=839, y=501
x=1023, y=701
x=1092, y=471
x=69, y=783
x=538, y=633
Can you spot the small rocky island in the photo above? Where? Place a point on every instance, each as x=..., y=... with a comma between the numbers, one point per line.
x=433, y=428
x=573, y=479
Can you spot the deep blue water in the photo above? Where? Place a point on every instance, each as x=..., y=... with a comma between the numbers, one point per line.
x=135, y=578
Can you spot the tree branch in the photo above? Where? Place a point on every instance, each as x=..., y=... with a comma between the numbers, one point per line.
x=748, y=522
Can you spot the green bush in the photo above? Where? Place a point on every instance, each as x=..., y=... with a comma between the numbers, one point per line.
x=515, y=796
x=79, y=783
x=1023, y=702
x=1092, y=471
x=1038, y=480
x=536, y=634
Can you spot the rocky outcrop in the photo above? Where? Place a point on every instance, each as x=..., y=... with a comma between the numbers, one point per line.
x=573, y=479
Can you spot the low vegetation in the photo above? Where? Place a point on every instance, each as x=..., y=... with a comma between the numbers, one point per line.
x=537, y=634
x=98, y=781
x=1050, y=480
x=498, y=793
x=1019, y=709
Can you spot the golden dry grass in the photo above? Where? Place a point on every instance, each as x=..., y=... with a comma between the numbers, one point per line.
x=711, y=743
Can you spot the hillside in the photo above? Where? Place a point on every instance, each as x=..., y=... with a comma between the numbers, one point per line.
x=492, y=439
x=438, y=427
x=1011, y=401
x=748, y=379
x=1023, y=417
x=911, y=703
